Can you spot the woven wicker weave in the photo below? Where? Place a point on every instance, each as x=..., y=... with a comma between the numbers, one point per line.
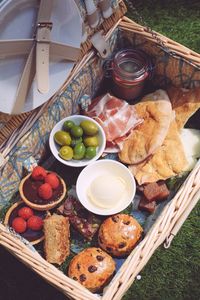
x=163, y=230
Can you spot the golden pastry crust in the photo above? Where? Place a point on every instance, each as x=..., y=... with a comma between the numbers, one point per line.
x=93, y=268
x=155, y=109
x=185, y=103
x=168, y=161
x=118, y=234
x=56, y=239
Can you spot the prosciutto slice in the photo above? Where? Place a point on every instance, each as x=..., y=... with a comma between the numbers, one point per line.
x=116, y=117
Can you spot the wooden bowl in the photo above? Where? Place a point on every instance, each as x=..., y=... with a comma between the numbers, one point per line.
x=34, y=237
x=44, y=204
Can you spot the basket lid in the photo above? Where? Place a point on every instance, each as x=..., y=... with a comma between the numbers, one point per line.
x=18, y=22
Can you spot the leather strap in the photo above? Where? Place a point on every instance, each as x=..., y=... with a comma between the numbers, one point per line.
x=99, y=42
x=42, y=58
x=45, y=10
x=27, y=75
x=25, y=82
x=15, y=47
x=43, y=45
x=9, y=48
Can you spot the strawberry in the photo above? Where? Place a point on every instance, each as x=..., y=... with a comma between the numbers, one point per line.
x=45, y=191
x=25, y=212
x=35, y=223
x=53, y=180
x=39, y=173
x=19, y=225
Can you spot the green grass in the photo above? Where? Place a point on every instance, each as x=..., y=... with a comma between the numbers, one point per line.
x=178, y=19
x=172, y=274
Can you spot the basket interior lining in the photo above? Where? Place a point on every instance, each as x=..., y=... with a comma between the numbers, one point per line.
x=169, y=71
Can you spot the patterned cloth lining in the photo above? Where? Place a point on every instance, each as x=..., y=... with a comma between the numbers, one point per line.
x=168, y=70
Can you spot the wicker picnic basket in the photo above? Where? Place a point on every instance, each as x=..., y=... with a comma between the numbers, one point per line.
x=175, y=64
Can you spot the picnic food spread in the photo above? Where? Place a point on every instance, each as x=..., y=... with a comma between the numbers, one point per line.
x=148, y=138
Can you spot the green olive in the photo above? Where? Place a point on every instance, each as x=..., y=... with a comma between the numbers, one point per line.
x=89, y=127
x=91, y=141
x=68, y=125
x=79, y=151
x=76, y=141
x=90, y=152
x=66, y=152
x=76, y=131
x=62, y=138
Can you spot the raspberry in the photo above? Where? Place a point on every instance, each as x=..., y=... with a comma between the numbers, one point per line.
x=39, y=173
x=35, y=223
x=45, y=191
x=25, y=212
x=19, y=225
x=53, y=180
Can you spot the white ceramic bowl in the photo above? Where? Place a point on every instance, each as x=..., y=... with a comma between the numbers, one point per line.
x=105, y=168
x=77, y=119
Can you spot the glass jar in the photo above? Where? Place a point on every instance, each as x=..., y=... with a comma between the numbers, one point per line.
x=129, y=71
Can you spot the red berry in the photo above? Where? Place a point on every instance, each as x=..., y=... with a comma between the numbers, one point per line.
x=39, y=173
x=35, y=223
x=45, y=191
x=19, y=225
x=25, y=212
x=53, y=180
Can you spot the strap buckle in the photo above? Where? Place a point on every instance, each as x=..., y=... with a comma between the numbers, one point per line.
x=43, y=32
x=47, y=25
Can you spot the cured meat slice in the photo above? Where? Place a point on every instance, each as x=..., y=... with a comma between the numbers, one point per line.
x=156, y=111
x=116, y=117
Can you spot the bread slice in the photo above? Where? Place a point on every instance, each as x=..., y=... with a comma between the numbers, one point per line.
x=56, y=241
x=156, y=110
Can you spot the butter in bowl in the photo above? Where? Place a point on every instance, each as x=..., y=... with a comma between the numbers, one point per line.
x=105, y=187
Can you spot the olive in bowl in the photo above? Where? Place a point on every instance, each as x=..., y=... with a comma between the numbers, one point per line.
x=77, y=140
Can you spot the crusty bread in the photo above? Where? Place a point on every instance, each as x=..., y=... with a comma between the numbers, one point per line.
x=56, y=241
x=155, y=109
x=184, y=102
x=169, y=160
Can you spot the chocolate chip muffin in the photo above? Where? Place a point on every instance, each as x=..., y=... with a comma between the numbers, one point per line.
x=93, y=268
x=118, y=234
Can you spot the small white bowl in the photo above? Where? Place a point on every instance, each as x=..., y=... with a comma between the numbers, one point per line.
x=77, y=119
x=105, y=168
